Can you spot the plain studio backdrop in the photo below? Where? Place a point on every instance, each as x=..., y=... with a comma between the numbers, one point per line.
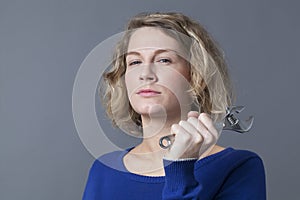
x=43, y=43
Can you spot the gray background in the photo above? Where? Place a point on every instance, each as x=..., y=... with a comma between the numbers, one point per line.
x=43, y=43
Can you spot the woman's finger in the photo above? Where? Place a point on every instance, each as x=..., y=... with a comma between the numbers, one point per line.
x=209, y=137
x=197, y=138
x=208, y=123
x=182, y=144
x=193, y=114
x=197, y=124
x=202, y=129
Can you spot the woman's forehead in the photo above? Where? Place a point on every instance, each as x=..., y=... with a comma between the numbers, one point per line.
x=153, y=38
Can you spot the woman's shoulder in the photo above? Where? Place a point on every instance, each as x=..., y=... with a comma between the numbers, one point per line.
x=241, y=156
x=239, y=172
x=230, y=153
x=229, y=159
x=232, y=168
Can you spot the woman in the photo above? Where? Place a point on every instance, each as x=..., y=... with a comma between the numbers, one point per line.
x=165, y=66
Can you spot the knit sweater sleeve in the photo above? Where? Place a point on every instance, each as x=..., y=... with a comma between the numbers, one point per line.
x=180, y=182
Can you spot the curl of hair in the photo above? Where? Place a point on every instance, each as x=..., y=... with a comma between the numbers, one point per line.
x=210, y=82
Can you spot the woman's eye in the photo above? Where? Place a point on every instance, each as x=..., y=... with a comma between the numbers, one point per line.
x=164, y=60
x=136, y=62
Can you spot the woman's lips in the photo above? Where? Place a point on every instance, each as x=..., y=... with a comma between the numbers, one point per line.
x=148, y=93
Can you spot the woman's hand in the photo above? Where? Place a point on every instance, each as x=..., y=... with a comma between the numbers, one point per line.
x=193, y=137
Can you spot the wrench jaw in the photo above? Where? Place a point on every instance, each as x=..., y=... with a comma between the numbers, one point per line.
x=233, y=123
x=237, y=109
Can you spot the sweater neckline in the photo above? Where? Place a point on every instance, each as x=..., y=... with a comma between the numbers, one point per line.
x=160, y=179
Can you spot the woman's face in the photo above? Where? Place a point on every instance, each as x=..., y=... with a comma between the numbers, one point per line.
x=157, y=78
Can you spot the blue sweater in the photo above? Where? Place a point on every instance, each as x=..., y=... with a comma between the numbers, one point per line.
x=228, y=175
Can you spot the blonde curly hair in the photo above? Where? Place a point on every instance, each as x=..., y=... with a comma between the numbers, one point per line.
x=210, y=82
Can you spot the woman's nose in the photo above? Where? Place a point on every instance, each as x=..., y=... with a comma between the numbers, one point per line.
x=148, y=74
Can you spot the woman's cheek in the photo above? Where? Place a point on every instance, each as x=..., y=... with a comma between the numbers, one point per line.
x=130, y=83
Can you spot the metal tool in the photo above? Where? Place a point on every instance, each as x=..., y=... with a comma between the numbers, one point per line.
x=231, y=122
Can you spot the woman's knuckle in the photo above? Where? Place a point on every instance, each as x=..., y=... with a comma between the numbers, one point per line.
x=198, y=139
x=181, y=122
x=175, y=128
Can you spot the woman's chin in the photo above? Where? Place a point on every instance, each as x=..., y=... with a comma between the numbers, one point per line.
x=152, y=110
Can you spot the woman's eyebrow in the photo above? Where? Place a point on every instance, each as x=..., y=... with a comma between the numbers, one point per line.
x=158, y=51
